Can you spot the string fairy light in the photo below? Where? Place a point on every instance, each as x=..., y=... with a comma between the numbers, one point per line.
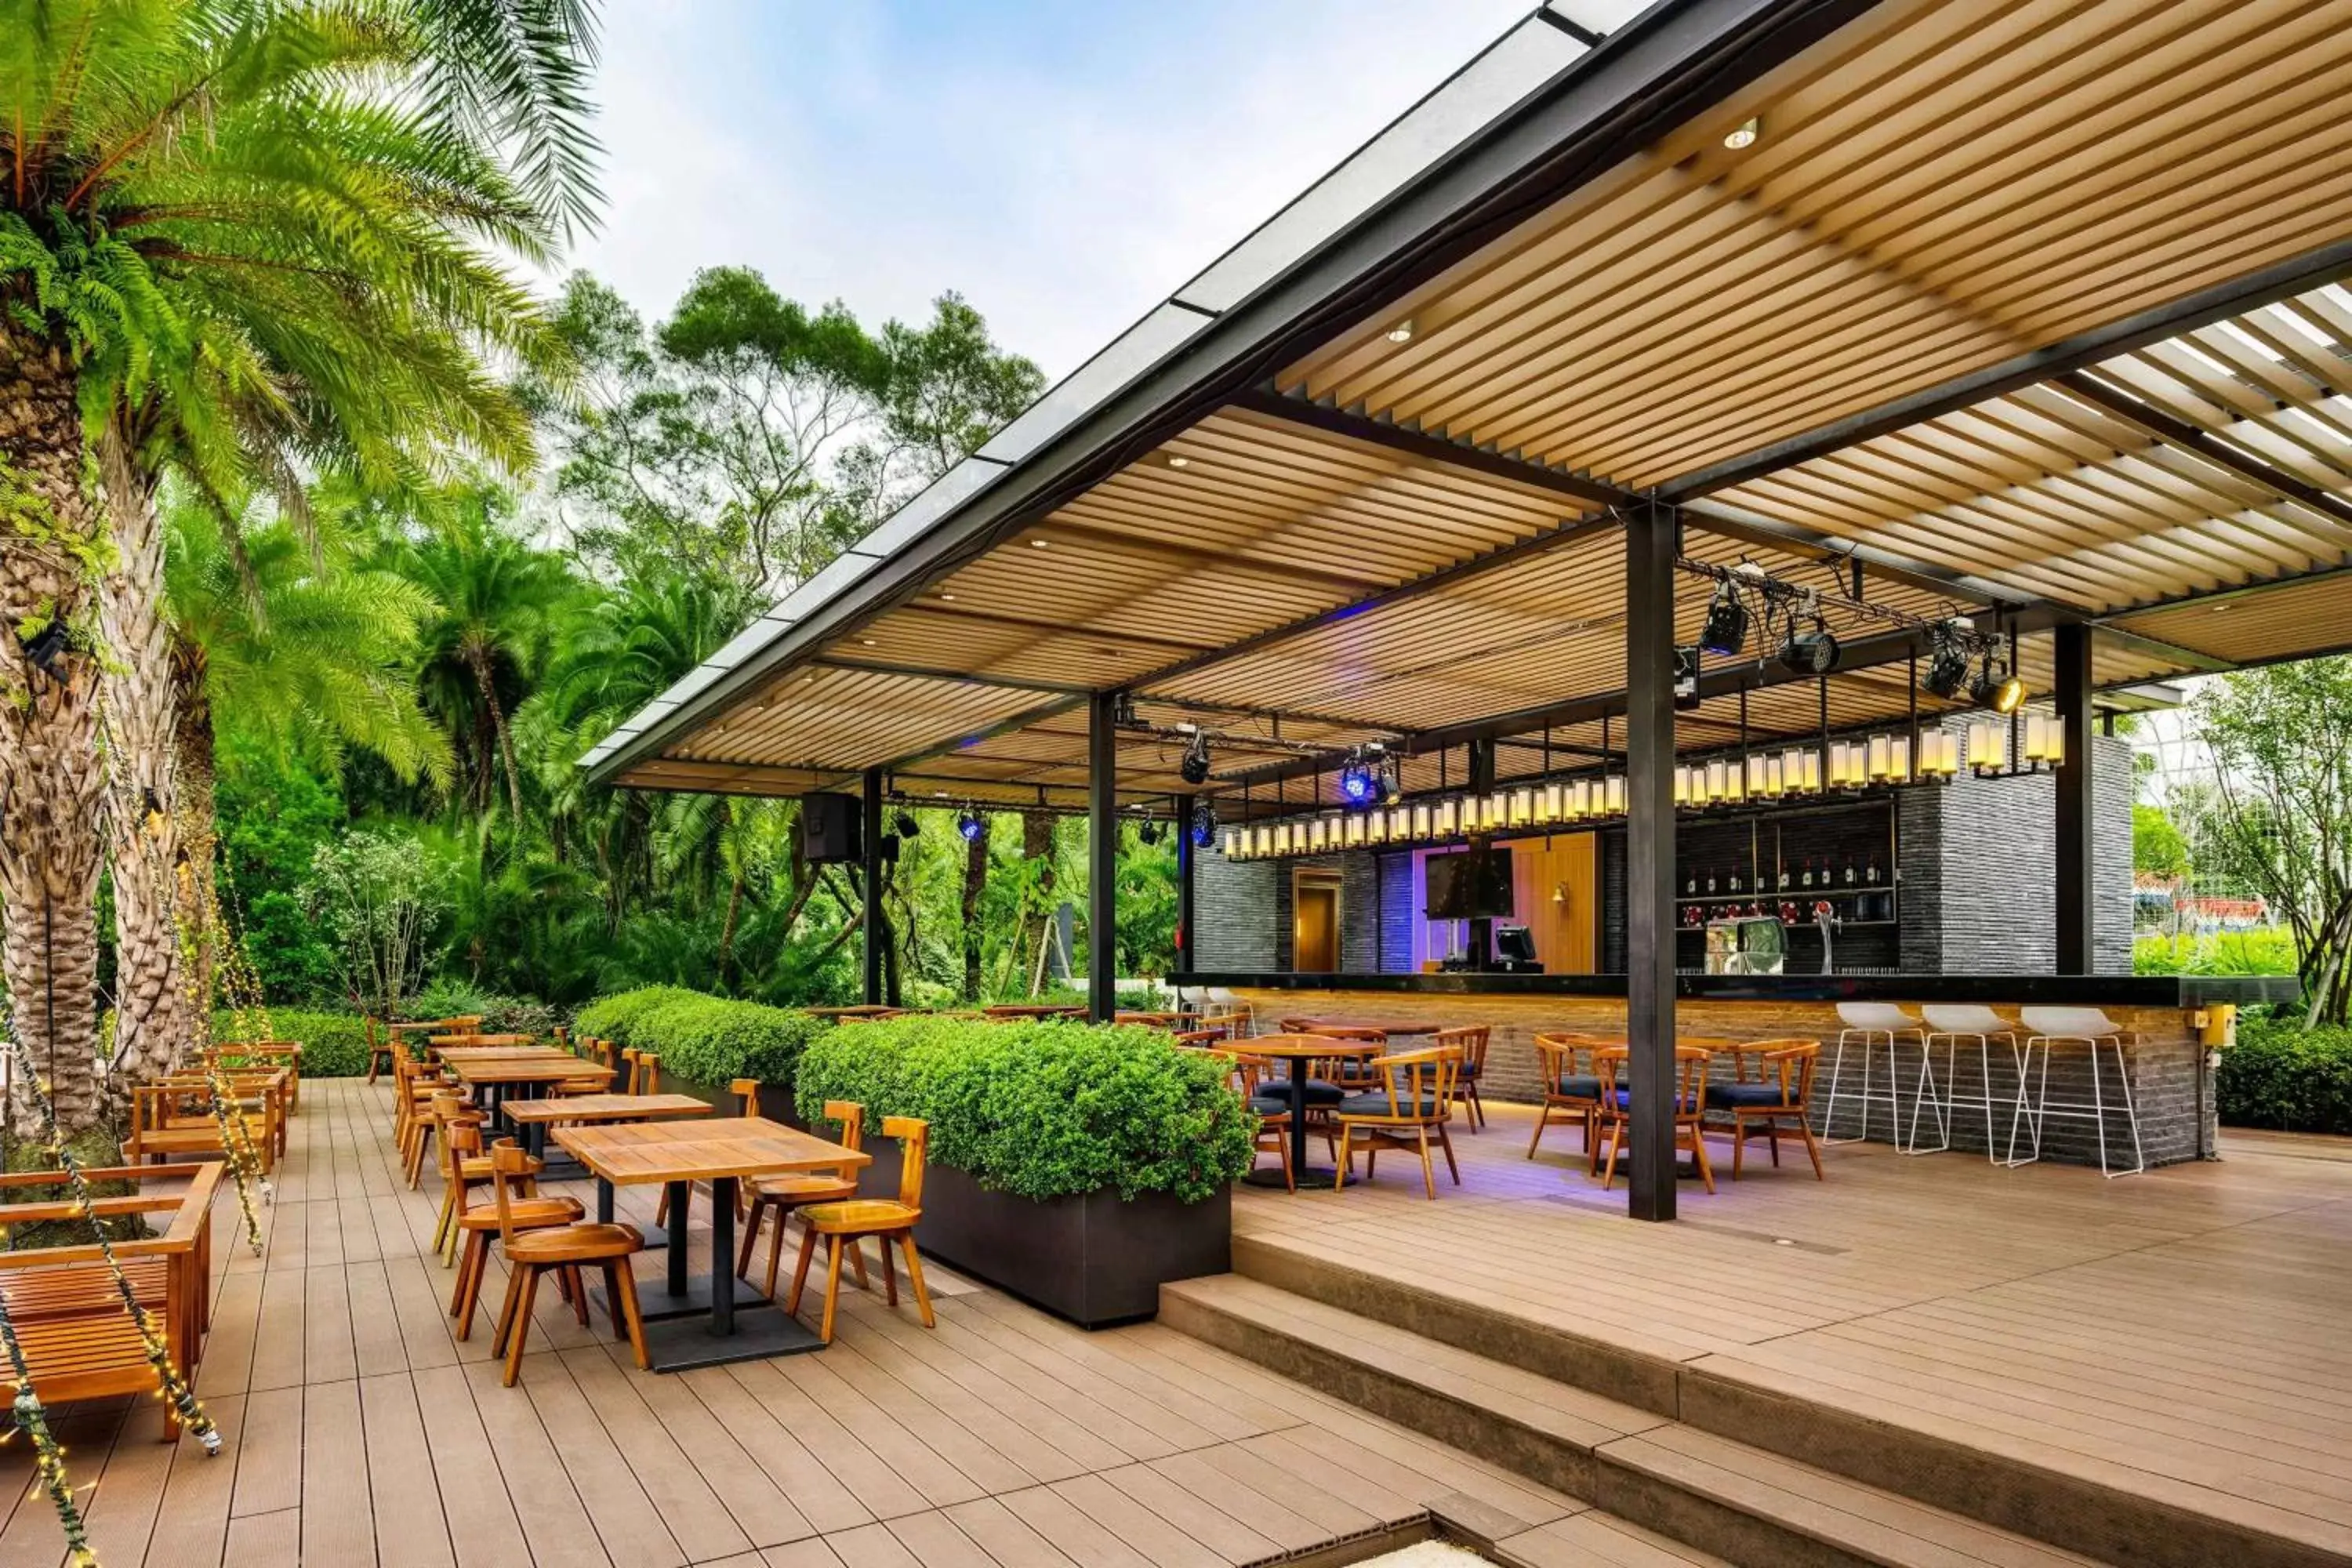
x=32, y=1418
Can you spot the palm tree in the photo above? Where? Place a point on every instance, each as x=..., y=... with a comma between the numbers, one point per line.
x=251, y=237
x=482, y=648
x=298, y=642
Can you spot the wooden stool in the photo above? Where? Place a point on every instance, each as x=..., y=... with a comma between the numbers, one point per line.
x=781, y=1195
x=846, y=1223
x=563, y=1248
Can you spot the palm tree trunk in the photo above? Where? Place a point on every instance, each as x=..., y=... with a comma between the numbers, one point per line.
x=135, y=693
x=50, y=775
x=481, y=668
x=199, y=897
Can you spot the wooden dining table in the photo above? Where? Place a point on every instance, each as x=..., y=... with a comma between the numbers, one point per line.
x=498, y=1072
x=741, y=1323
x=1393, y=1029
x=1300, y=1051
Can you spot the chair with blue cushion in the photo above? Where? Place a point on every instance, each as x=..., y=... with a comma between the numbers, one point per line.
x=1571, y=1087
x=1470, y=1039
x=1615, y=1116
x=1413, y=1104
x=1783, y=1090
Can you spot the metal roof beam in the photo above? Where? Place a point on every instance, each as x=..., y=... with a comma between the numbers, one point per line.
x=2100, y=394
x=1432, y=447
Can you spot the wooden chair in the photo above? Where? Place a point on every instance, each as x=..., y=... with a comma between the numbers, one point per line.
x=384, y=1045
x=1251, y=1075
x=174, y=1119
x=781, y=1196
x=846, y=1224
x=473, y=1227
x=457, y=1171
x=1615, y=1116
x=1415, y=1101
x=533, y=1251
x=1782, y=1091
x=588, y=1048
x=1571, y=1087
x=1471, y=1040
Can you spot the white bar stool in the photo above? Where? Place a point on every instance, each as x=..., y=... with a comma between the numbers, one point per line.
x=1868, y=1023
x=2085, y=1026
x=1953, y=1024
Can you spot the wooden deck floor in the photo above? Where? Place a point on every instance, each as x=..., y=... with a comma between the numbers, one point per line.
x=2181, y=1334
x=359, y=1432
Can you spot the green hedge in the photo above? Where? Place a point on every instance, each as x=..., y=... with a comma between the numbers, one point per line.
x=2282, y=1075
x=615, y=1018
x=1041, y=1110
x=709, y=1039
x=334, y=1044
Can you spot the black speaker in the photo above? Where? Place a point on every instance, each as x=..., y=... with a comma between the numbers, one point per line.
x=829, y=834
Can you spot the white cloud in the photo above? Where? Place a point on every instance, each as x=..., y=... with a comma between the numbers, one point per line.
x=1065, y=167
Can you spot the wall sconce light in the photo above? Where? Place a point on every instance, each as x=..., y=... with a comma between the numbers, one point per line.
x=1613, y=794
x=1939, y=755
x=2046, y=742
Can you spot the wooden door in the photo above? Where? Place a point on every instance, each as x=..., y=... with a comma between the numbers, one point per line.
x=1315, y=923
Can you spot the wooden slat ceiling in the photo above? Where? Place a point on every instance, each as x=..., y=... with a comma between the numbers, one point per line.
x=2061, y=498
x=1938, y=187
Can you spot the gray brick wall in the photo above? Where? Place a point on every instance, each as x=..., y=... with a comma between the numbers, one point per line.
x=1995, y=864
x=1397, y=905
x=1233, y=911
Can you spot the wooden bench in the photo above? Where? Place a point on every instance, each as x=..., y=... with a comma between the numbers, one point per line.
x=79, y=1339
x=173, y=1118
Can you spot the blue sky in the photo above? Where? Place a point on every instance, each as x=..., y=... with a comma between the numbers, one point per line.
x=1063, y=165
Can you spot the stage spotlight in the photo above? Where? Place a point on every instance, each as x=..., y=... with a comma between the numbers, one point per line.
x=1726, y=622
x=1204, y=825
x=2002, y=694
x=1359, y=784
x=1391, y=780
x=1148, y=830
x=907, y=827
x=1808, y=653
x=1948, y=663
x=1195, y=768
x=972, y=827
x=42, y=649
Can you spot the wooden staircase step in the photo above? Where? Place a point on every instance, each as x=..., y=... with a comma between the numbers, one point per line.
x=1695, y=1490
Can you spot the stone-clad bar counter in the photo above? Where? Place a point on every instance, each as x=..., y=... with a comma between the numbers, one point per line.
x=2179, y=1022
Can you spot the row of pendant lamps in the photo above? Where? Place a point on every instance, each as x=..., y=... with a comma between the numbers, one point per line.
x=1798, y=771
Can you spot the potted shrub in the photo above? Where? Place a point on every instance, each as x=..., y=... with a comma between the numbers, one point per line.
x=1077, y=1167
x=706, y=1043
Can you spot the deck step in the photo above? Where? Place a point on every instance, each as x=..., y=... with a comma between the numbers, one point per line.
x=1704, y=1491
x=2100, y=1511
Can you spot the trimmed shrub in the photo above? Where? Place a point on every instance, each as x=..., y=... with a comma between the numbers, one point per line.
x=334, y=1044
x=711, y=1039
x=500, y=1014
x=1041, y=1110
x=615, y=1018
x=2282, y=1075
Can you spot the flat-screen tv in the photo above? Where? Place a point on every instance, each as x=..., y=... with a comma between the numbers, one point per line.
x=1472, y=885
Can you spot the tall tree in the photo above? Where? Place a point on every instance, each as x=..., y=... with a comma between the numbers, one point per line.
x=751, y=437
x=2281, y=809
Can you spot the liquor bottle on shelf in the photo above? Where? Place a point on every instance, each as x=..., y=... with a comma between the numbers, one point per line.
x=1806, y=878
x=1690, y=884
x=1710, y=884
x=1735, y=878
x=1870, y=872
x=1849, y=871
x=1784, y=875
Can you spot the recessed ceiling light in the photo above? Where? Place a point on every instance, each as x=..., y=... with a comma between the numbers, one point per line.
x=947, y=598
x=2218, y=608
x=1744, y=134
x=1178, y=460
x=1402, y=332
x=1037, y=544
x=866, y=641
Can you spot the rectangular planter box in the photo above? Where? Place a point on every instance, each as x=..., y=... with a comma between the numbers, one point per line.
x=1092, y=1259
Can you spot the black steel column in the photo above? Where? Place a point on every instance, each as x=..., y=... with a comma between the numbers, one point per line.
x=1650, y=858
x=1482, y=784
x=869, y=876
x=1102, y=856
x=2076, y=806
x=1187, y=858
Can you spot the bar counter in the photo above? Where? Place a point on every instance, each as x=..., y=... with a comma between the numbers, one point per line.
x=2179, y=1022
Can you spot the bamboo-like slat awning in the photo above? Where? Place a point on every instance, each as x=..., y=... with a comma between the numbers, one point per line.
x=2024, y=309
